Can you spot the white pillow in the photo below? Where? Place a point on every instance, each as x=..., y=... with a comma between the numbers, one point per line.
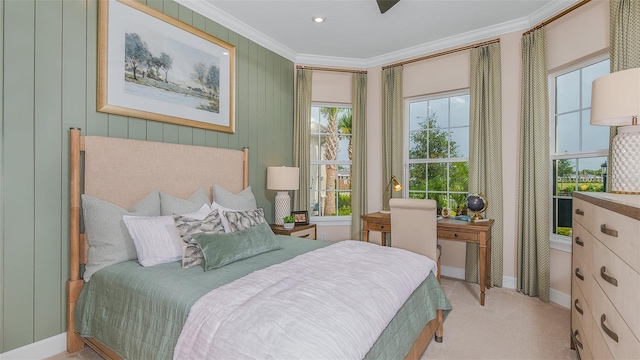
x=221, y=209
x=155, y=237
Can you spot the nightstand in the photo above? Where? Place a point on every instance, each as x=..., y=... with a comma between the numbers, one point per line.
x=302, y=231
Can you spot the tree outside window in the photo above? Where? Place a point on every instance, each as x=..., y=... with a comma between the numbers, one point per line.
x=331, y=155
x=438, y=150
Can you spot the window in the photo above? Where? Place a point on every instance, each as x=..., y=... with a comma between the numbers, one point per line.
x=331, y=155
x=578, y=149
x=438, y=149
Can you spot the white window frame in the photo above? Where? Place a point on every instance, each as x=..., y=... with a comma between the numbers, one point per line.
x=407, y=138
x=334, y=220
x=561, y=242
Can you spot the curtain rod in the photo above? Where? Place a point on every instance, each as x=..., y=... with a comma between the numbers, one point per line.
x=556, y=17
x=446, y=52
x=331, y=69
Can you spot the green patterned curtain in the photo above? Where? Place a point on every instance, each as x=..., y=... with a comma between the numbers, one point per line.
x=624, y=16
x=359, y=150
x=301, y=137
x=392, y=128
x=485, y=152
x=533, y=263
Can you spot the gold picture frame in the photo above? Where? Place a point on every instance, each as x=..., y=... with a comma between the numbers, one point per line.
x=152, y=66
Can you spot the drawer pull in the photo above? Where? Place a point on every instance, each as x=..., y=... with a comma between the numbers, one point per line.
x=575, y=339
x=578, y=275
x=578, y=308
x=455, y=235
x=611, y=280
x=579, y=212
x=304, y=236
x=607, y=331
x=610, y=232
x=578, y=241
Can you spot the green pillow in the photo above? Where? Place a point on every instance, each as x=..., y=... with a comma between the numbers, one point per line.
x=223, y=249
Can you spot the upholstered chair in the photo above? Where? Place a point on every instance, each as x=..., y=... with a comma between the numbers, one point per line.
x=414, y=228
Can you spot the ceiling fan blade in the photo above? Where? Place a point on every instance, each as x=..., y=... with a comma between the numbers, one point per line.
x=385, y=5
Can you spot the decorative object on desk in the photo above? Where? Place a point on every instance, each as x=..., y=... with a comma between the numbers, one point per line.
x=300, y=217
x=393, y=185
x=476, y=203
x=282, y=179
x=289, y=222
x=615, y=101
x=445, y=212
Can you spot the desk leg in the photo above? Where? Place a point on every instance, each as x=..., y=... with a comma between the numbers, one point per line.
x=488, y=261
x=483, y=269
x=365, y=230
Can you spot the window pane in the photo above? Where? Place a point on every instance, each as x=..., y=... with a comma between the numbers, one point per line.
x=589, y=74
x=574, y=134
x=460, y=110
x=418, y=114
x=565, y=171
x=437, y=177
x=417, y=177
x=330, y=188
x=593, y=137
x=438, y=144
x=568, y=133
x=591, y=174
x=459, y=176
x=568, y=92
x=418, y=144
x=343, y=148
x=315, y=147
x=440, y=198
x=440, y=110
x=459, y=146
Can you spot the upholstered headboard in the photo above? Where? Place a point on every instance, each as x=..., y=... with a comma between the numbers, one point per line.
x=123, y=171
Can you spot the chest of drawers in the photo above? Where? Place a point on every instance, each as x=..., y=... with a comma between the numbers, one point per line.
x=605, y=286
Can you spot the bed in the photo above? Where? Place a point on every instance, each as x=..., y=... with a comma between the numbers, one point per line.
x=112, y=313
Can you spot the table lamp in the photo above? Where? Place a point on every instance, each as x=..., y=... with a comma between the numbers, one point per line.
x=615, y=101
x=394, y=185
x=282, y=179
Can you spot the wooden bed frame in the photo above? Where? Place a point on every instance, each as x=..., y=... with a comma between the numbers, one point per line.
x=123, y=171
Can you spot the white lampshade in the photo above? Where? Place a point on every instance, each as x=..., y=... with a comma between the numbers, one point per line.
x=615, y=101
x=283, y=178
x=615, y=98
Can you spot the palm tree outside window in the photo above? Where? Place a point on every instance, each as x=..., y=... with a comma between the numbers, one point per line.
x=331, y=155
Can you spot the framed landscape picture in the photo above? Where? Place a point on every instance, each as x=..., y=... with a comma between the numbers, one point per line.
x=155, y=67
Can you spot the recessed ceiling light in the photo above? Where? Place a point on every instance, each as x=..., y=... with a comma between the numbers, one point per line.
x=318, y=19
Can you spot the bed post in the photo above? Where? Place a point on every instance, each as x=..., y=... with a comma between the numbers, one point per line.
x=75, y=283
x=245, y=168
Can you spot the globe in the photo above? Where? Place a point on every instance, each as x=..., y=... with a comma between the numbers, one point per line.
x=476, y=203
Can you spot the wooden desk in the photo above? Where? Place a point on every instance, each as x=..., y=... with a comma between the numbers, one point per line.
x=448, y=229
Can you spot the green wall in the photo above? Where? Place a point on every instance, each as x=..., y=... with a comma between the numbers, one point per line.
x=48, y=77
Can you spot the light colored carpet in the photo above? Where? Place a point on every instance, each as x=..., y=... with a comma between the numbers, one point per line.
x=509, y=326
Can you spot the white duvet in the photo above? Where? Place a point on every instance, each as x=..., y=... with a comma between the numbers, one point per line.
x=330, y=303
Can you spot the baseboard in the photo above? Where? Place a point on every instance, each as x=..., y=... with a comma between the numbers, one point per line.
x=560, y=298
x=38, y=350
x=508, y=282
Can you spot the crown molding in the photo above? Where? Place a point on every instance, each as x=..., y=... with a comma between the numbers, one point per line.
x=213, y=13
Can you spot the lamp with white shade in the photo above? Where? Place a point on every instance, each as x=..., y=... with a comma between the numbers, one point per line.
x=282, y=179
x=615, y=101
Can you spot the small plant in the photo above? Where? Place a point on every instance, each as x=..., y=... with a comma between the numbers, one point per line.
x=289, y=219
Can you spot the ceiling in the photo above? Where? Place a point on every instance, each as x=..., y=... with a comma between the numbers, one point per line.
x=356, y=34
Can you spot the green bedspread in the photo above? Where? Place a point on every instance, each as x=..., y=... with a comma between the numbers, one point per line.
x=139, y=311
